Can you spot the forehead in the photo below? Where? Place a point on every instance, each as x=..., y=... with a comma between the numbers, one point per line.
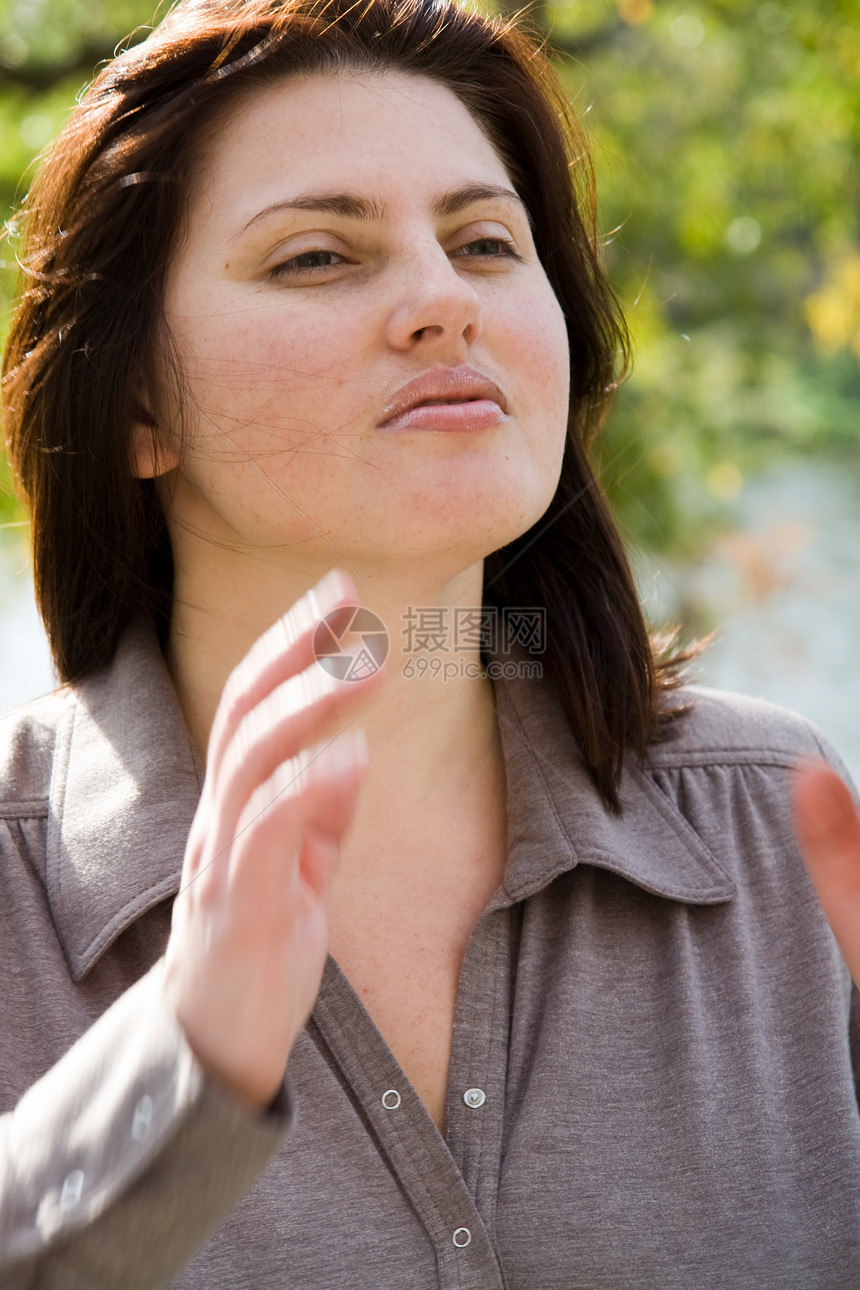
x=387, y=134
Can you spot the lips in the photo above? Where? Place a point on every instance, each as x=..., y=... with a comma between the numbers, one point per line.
x=446, y=398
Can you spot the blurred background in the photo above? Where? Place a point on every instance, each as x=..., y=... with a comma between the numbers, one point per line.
x=726, y=140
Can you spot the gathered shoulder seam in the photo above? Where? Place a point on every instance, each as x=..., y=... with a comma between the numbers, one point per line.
x=26, y=810
x=776, y=758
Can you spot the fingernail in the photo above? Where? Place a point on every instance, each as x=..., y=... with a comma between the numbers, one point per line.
x=347, y=751
x=328, y=591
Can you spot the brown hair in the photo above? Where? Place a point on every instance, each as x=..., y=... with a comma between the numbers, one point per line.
x=99, y=226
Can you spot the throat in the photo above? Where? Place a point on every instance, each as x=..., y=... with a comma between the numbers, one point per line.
x=401, y=947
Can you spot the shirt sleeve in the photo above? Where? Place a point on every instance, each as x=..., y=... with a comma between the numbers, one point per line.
x=117, y=1165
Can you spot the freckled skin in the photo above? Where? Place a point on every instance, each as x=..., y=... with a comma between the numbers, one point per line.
x=348, y=235
x=288, y=375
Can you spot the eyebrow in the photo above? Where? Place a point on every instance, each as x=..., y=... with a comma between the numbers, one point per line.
x=349, y=206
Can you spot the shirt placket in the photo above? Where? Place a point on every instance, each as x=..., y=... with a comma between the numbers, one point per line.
x=477, y=1073
x=450, y=1185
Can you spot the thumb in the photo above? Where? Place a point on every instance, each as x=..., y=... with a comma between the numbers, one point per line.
x=318, y=860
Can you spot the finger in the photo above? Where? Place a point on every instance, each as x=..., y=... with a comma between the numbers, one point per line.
x=314, y=794
x=318, y=861
x=828, y=829
x=285, y=649
x=295, y=716
x=331, y=781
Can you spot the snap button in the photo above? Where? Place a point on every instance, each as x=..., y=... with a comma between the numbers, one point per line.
x=462, y=1237
x=73, y=1185
x=391, y=1099
x=142, y=1121
x=474, y=1097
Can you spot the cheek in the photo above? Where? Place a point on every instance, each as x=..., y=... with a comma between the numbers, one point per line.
x=543, y=355
x=252, y=370
x=554, y=341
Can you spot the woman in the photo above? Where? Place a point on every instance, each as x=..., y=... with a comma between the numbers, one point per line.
x=306, y=286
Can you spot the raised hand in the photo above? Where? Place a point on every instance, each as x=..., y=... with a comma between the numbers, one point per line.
x=828, y=828
x=250, y=924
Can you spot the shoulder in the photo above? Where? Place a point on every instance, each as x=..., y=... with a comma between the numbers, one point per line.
x=727, y=769
x=721, y=728
x=27, y=740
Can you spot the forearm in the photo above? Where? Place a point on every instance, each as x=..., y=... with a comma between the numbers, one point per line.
x=124, y=1157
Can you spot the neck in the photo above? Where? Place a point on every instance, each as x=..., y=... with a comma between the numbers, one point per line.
x=431, y=730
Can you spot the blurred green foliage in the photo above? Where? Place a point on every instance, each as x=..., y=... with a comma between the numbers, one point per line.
x=727, y=141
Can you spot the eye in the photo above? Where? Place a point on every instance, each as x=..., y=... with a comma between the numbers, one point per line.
x=489, y=248
x=307, y=263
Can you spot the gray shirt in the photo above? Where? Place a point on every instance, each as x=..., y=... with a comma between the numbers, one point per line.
x=651, y=1080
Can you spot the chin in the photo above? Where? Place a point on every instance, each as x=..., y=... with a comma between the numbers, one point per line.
x=465, y=531
x=509, y=517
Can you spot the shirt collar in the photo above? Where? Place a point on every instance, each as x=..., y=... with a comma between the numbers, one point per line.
x=126, y=781
x=557, y=819
x=124, y=790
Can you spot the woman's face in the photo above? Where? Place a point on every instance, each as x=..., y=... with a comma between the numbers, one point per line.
x=375, y=363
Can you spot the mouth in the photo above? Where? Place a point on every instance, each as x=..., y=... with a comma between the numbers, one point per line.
x=445, y=399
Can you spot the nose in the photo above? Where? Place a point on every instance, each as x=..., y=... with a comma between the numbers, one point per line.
x=435, y=305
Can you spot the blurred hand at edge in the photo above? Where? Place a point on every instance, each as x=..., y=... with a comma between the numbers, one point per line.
x=828, y=828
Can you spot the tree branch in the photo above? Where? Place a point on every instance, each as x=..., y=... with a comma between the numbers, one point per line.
x=536, y=16
x=582, y=47
x=37, y=78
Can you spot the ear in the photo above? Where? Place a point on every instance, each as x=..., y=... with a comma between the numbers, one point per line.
x=150, y=455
